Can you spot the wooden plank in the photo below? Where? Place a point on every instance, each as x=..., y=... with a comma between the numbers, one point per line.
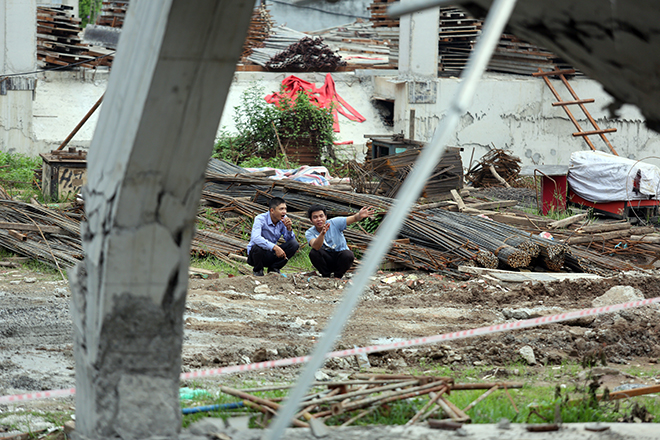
x=578, y=101
x=458, y=199
x=567, y=221
x=555, y=72
x=520, y=221
x=592, y=132
x=597, y=238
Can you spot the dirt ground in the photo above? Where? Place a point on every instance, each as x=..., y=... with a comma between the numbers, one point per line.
x=245, y=319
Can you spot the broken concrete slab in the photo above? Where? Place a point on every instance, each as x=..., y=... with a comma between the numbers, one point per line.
x=618, y=295
x=520, y=277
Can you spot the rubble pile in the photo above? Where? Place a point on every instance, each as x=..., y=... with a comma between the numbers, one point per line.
x=495, y=167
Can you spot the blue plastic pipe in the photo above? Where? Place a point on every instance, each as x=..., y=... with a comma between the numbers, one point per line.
x=207, y=408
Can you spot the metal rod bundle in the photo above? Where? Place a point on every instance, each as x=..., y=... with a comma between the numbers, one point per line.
x=63, y=248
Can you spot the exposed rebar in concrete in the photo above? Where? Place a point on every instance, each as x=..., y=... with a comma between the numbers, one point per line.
x=155, y=133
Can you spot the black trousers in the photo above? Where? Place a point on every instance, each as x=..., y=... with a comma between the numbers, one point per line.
x=260, y=258
x=329, y=262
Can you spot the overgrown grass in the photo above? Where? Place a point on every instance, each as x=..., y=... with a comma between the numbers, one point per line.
x=17, y=175
x=32, y=265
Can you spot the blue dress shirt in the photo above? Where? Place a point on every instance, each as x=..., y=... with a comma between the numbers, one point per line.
x=265, y=234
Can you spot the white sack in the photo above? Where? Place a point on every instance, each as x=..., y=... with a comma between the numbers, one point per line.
x=600, y=177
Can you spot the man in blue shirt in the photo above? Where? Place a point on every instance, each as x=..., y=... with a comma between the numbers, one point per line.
x=263, y=250
x=330, y=253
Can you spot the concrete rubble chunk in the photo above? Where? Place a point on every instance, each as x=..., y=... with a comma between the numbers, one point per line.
x=618, y=295
x=527, y=354
x=262, y=288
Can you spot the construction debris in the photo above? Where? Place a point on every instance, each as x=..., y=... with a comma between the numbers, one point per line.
x=497, y=167
x=385, y=174
x=58, y=38
x=308, y=54
x=352, y=399
x=258, y=32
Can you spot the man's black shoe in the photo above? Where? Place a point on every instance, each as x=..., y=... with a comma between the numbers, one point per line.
x=273, y=270
x=258, y=273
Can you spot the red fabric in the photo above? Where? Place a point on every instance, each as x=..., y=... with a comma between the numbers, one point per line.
x=325, y=96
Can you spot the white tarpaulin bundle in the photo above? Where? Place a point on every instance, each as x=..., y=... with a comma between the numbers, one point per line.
x=600, y=177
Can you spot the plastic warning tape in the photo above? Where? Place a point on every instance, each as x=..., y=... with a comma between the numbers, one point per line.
x=482, y=331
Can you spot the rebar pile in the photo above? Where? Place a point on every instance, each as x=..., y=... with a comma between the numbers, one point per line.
x=408, y=255
x=449, y=238
x=280, y=39
x=506, y=166
x=390, y=171
x=510, y=247
x=63, y=246
x=308, y=54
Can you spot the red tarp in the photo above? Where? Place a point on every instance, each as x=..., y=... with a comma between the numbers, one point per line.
x=325, y=96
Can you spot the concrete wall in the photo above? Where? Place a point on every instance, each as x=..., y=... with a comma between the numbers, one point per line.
x=509, y=111
x=18, y=56
x=515, y=112
x=318, y=15
x=62, y=99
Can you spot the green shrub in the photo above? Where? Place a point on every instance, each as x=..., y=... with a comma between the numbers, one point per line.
x=259, y=125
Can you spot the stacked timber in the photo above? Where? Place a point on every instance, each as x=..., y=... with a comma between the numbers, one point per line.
x=113, y=13
x=513, y=55
x=379, y=16
x=58, y=38
x=496, y=168
x=458, y=34
x=258, y=31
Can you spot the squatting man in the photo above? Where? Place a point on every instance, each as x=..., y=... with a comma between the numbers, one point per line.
x=329, y=252
x=263, y=250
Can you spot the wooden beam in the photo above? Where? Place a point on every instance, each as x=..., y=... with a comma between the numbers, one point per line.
x=579, y=101
x=589, y=133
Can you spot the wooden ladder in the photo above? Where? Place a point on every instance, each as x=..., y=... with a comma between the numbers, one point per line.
x=579, y=102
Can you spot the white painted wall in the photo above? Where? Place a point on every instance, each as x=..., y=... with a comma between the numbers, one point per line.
x=62, y=99
x=317, y=15
x=18, y=54
x=18, y=20
x=515, y=112
x=419, y=60
x=509, y=111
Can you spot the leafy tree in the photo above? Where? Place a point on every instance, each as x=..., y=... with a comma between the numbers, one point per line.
x=88, y=10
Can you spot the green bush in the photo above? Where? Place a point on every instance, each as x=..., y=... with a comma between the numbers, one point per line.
x=259, y=124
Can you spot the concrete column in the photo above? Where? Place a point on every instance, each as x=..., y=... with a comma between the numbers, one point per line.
x=146, y=165
x=18, y=54
x=418, y=43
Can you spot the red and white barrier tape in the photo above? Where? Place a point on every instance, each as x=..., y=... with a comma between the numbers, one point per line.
x=535, y=322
